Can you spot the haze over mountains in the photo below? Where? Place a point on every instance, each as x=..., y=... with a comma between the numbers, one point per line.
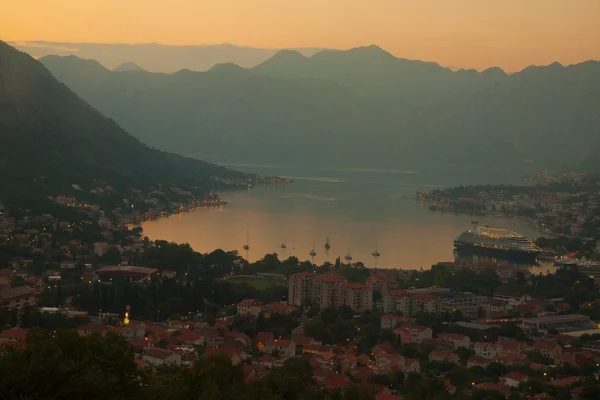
x=362, y=108
x=153, y=56
x=50, y=139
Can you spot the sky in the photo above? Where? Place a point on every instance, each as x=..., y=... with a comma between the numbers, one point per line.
x=511, y=34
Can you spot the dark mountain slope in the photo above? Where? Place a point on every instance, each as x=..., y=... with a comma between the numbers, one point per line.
x=50, y=139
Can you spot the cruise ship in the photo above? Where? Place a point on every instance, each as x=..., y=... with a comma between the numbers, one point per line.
x=494, y=241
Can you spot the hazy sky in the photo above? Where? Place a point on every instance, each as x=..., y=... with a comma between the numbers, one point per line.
x=455, y=33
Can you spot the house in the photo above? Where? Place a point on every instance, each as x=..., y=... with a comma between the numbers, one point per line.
x=444, y=356
x=284, y=348
x=156, y=356
x=450, y=388
x=547, y=347
x=513, y=379
x=512, y=360
x=512, y=298
x=493, y=387
x=238, y=337
x=512, y=346
x=134, y=330
x=389, y=321
x=190, y=338
x=566, y=382
x=13, y=335
x=249, y=307
x=264, y=360
x=67, y=264
x=235, y=354
x=487, y=350
x=17, y=298
x=477, y=361
x=277, y=308
x=458, y=339
x=412, y=333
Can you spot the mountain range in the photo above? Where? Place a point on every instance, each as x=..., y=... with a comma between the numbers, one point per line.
x=361, y=108
x=153, y=56
x=54, y=143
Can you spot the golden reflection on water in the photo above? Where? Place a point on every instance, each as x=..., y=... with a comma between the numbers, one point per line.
x=411, y=238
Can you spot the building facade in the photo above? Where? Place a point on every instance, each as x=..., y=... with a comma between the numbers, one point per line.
x=328, y=290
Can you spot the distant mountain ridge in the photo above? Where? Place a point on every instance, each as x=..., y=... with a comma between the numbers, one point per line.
x=50, y=140
x=128, y=66
x=358, y=108
x=155, y=57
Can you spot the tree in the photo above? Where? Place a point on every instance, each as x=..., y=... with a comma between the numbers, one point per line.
x=66, y=366
x=17, y=281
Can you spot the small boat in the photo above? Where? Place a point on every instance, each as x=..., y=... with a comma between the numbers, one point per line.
x=327, y=245
x=348, y=257
x=474, y=222
x=376, y=252
x=313, y=252
x=247, y=245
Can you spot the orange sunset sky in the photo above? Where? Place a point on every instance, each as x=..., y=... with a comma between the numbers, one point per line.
x=477, y=34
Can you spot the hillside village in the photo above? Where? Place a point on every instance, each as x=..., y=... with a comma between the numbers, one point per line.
x=461, y=328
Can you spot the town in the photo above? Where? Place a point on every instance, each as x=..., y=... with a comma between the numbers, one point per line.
x=566, y=205
x=456, y=330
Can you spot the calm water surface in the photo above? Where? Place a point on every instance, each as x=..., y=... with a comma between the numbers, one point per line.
x=358, y=210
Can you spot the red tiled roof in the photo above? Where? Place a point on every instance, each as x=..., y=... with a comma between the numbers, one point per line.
x=331, y=277
x=336, y=381
x=141, y=363
x=18, y=334
x=389, y=317
x=265, y=358
x=279, y=342
x=249, y=302
x=515, y=376
x=478, y=360
x=544, y=344
x=157, y=353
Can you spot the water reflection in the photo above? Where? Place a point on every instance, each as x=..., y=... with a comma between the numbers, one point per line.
x=359, y=212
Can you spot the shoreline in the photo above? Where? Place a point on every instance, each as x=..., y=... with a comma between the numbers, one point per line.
x=434, y=206
x=210, y=200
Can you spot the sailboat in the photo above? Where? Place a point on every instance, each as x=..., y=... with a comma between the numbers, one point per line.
x=247, y=245
x=327, y=245
x=283, y=245
x=348, y=257
x=376, y=252
x=313, y=252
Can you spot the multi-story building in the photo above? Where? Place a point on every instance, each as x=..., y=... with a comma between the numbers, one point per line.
x=301, y=288
x=328, y=290
x=487, y=350
x=381, y=283
x=249, y=307
x=512, y=298
x=358, y=296
x=413, y=334
x=557, y=321
x=457, y=339
x=463, y=302
x=17, y=298
x=410, y=303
